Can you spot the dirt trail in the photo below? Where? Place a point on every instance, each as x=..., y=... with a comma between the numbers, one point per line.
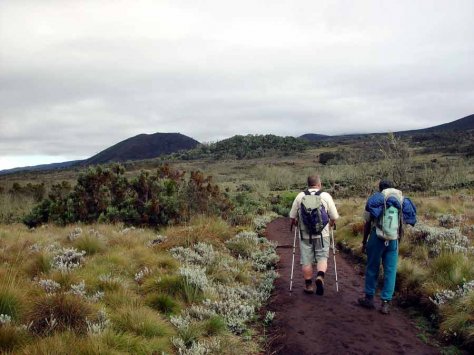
x=333, y=323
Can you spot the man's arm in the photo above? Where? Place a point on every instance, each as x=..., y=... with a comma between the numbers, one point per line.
x=367, y=229
x=332, y=210
x=294, y=212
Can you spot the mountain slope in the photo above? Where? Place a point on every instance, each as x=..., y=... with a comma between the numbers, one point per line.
x=143, y=146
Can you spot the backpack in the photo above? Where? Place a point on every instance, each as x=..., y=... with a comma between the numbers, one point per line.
x=389, y=223
x=313, y=215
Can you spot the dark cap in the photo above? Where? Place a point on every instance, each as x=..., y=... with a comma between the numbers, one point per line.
x=385, y=184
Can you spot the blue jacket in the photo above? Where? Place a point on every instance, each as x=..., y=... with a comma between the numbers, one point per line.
x=375, y=205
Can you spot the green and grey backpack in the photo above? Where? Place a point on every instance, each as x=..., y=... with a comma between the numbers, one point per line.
x=388, y=224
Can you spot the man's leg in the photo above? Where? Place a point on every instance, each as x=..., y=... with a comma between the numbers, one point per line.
x=375, y=248
x=307, y=260
x=389, y=262
x=321, y=254
x=321, y=266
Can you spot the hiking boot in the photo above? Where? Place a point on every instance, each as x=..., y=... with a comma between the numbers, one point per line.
x=385, y=309
x=308, y=287
x=366, y=302
x=319, y=286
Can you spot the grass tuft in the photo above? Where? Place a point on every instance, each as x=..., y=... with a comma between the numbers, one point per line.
x=12, y=338
x=140, y=321
x=164, y=304
x=201, y=229
x=90, y=243
x=451, y=270
x=59, y=312
x=10, y=303
x=214, y=326
x=39, y=264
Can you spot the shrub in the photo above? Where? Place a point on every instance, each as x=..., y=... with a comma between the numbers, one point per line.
x=329, y=157
x=148, y=199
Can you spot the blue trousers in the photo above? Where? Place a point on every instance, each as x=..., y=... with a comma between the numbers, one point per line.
x=377, y=251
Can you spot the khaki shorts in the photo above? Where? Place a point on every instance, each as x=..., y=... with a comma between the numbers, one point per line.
x=312, y=255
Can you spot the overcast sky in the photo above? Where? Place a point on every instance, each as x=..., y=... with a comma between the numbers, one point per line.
x=79, y=76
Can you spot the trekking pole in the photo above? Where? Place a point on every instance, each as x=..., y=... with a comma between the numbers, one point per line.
x=334, y=253
x=293, y=261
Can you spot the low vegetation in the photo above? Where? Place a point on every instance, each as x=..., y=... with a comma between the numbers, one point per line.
x=139, y=292
x=106, y=195
x=143, y=257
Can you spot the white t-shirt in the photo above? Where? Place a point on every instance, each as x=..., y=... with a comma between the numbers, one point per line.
x=327, y=202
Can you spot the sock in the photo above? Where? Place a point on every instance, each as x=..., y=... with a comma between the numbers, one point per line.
x=320, y=273
x=308, y=282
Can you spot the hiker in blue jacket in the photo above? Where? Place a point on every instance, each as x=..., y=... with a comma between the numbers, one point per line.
x=384, y=213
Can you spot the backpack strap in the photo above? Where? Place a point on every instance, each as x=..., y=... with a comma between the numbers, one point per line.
x=307, y=193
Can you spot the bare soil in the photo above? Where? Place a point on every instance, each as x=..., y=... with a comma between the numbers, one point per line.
x=333, y=323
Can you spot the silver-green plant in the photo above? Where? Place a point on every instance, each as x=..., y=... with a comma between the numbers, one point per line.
x=100, y=324
x=50, y=286
x=443, y=296
x=68, y=259
x=442, y=239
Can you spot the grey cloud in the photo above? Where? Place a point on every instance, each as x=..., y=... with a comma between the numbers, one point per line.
x=285, y=69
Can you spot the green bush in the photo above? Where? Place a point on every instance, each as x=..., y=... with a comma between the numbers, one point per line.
x=163, y=198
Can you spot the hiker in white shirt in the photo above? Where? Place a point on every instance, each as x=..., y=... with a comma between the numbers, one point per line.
x=314, y=248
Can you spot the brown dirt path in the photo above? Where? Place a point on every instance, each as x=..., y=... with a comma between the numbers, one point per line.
x=333, y=323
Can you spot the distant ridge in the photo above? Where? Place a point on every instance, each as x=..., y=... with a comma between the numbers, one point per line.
x=42, y=167
x=143, y=146
x=313, y=137
x=462, y=124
